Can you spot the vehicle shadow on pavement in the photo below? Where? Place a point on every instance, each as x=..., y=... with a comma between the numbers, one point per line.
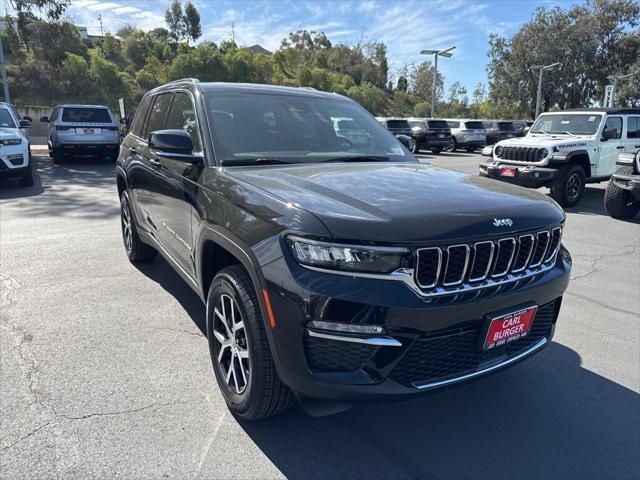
x=83, y=188
x=161, y=272
x=592, y=203
x=545, y=418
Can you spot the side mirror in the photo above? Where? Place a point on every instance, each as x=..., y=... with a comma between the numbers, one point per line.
x=173, y=144
x=25, y=123
x=609, y=134
x=123, y=120
x=406, y=141
x=28, y=118
x=44, y=119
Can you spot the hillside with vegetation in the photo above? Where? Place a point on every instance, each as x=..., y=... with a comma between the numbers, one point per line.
x=49, y=63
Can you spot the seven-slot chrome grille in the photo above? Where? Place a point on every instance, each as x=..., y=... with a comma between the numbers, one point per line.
x=460, y=267
x=521, y=154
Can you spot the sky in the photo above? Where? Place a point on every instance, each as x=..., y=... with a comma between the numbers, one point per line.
x=406, y=26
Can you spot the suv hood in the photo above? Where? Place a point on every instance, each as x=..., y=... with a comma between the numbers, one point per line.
x=399, y=202
x=9, y=133
x=559, y=142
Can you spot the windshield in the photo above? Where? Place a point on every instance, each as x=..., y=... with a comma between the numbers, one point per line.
x=91, y=115
x=575, y=124
x=474, y=125
x=6, y=119
x=418, y=123
x=398, y=124
x=296, y=128
x=505, y=126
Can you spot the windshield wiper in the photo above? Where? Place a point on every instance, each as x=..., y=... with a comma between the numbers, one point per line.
x=253, y=161
x=359, y=158
x=541, y=131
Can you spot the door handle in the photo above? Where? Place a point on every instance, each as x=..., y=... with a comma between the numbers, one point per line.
x=620, y=147
x=636, y=146
x=154, y=162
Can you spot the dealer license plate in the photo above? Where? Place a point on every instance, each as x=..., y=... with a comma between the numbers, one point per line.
x=508, y=172
x=509, y=327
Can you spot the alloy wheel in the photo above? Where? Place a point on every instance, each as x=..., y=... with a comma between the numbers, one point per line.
x=127, y=231
x=229, y=331
x=574, y=184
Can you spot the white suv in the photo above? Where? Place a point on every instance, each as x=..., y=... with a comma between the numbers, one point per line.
x=565, y=150
x=15, y=155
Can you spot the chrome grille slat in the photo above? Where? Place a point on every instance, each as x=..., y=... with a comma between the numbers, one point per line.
x=451, y=269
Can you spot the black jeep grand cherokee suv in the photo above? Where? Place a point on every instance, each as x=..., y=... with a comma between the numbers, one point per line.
x=332, y=271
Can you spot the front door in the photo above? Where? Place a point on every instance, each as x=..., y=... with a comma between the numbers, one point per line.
x=632, y=134
x=610, y=148
x=177, y=188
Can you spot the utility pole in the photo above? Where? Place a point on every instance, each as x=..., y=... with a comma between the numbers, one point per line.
x=233, y=33
x=3, y=68
x=542, y=68
x=615, y=79
x=101, y=29
x=436, y=53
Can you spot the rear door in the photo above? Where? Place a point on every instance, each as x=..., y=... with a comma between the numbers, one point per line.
x=632, y=134
x=176, y=187
x=609, y=149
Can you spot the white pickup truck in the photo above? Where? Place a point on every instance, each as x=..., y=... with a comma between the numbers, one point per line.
x=566, y=150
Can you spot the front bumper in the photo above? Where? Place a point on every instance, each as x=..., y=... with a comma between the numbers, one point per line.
x=426, y=344
x=631, y=183
x=526, y=176
x=14, y=160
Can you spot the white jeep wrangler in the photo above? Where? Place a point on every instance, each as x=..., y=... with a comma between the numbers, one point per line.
x=565, y=150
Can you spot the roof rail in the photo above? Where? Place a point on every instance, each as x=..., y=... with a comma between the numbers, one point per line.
x=182, y=80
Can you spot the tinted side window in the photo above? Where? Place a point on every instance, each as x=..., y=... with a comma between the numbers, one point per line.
x=633, y=127
x=182, y=116
x=454, y=124
x=158, y=114
x=140, y=115
x=614, y=123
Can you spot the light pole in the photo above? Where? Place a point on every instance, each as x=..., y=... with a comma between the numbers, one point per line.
x=542, y=68
x=615, y=79
x=3, y=68
x=442, y=53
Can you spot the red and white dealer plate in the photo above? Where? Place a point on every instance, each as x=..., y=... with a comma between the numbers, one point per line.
x=509, y=327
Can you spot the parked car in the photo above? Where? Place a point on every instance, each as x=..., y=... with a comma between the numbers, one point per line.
x=81, y=130
x=468, y=134
x=498, y=130
x=399, y=127
x=565, y=150
x=347, y=128
x=622, y=197
x=15, y=151
x=333, y=272
x=520, y=127
x=430, y=134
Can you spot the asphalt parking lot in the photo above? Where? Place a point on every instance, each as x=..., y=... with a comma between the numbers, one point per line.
x=105, y=372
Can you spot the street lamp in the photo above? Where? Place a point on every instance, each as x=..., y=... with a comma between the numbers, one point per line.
x=442, y=53
x=542, y=68
x=615, y=79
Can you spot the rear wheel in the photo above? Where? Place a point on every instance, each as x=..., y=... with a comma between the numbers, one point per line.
x=240, y=354
x=136, y=249
x=568, y=189
x=453, y=146
x=618, y=202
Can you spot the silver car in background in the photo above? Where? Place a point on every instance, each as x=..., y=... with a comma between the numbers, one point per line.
x=82, y=130
x=468, y=134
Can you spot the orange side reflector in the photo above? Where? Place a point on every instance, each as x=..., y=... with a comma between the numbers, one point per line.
x=272, y=319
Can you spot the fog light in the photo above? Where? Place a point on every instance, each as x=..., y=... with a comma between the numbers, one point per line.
x=346, y=327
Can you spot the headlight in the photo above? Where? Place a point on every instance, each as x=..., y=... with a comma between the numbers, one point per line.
x=542, y=153
x=11, y=141
x=498, y=151
x=352, y=258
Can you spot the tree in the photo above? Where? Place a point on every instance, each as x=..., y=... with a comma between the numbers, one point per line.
x=421, y=77
x=175, y=20
x=589, y=40
x=51, y=10
x=192, y=21
x=403, y=84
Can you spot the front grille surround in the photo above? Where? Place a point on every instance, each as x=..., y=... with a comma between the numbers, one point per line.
x=510, y=258
x=522, y=154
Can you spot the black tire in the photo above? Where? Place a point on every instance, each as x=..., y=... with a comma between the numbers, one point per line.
x=453, y=146
x=27, y=179
x=618, y=202
x=416, y=148
x=258, y=392
x=471, y=150
x=436, y=150
x=136, y=249
x=568, y=189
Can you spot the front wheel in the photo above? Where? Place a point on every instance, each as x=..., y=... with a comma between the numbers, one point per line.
x=27, y=179
x=240, y=353
x=618, y=202
x=568, y=189
x=453, y=146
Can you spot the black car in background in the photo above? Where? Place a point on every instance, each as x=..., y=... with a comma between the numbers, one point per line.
x=430, y=134
x=401, y=129
x=520, y=127
x=333, y=271
x=498, y=130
